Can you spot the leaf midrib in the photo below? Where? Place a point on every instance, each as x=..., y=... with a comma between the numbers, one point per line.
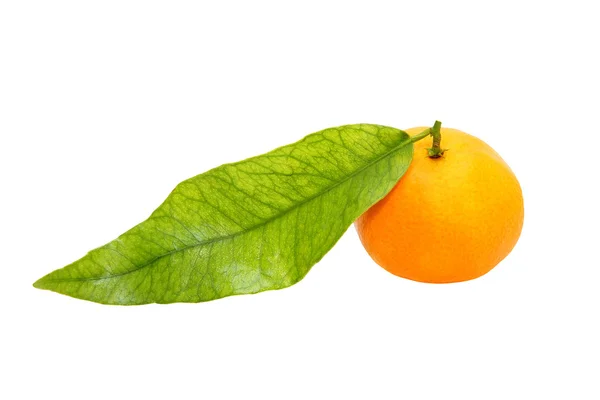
x=265, y=222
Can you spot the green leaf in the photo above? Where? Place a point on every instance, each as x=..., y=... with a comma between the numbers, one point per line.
x=246, y=227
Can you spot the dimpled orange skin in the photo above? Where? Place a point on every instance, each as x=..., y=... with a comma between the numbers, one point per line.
x=448, y=219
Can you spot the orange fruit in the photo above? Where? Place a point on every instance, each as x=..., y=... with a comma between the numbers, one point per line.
x=448, y=219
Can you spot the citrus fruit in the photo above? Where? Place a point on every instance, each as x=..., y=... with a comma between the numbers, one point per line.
x=448, y=219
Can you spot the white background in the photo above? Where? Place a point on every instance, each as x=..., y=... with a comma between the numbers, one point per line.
x=106, y=106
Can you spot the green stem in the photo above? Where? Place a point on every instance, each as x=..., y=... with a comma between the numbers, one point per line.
x=435, y=151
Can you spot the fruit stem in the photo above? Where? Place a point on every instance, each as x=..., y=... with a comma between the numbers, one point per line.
x=436, y=151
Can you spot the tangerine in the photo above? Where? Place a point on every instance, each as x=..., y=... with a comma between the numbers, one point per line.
x=448, y=219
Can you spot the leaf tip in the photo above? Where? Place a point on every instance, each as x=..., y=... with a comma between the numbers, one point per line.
x=41, y=283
